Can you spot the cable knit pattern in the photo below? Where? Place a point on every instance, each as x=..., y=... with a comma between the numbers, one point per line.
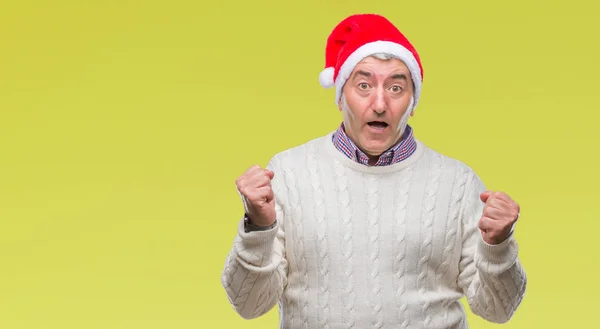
x=373, y=247
x=322, y=253
x=262, y=301
x=384, y=247
x=518, y=275
x=346, y=240
x=399, y=267
x=460, y=180
x=243, y=293
x=229, y=271
x=427, y=223
x=299, y=255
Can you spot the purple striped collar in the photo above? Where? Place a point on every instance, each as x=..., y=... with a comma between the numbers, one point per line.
x=399, y=152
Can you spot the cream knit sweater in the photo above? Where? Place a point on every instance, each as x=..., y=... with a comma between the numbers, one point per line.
x=372, y=247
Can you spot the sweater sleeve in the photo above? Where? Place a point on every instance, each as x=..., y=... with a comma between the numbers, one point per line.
x=491, y=276
x=255, y=271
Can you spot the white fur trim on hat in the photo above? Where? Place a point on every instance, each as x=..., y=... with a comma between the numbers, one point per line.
x=371, y=48
x=326, y=77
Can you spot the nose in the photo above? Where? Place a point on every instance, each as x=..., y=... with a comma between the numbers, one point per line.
x=379, y=101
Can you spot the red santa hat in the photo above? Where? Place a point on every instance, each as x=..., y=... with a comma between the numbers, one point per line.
x=359, y=36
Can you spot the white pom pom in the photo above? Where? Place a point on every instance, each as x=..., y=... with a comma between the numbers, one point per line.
x=326, y=77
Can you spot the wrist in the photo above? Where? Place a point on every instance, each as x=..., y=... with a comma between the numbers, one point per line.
x=249, y=225
x=497, y=254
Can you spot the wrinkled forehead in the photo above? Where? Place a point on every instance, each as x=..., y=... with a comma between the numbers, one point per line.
x=378, y=68
x=380, y=65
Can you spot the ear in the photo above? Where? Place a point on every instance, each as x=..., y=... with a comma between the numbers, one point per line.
x=412, y=113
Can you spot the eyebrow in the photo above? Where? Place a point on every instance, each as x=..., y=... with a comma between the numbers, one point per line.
x=399, y=77
x=363, y=73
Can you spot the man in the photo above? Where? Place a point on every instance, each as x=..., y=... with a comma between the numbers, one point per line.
x=367, y=227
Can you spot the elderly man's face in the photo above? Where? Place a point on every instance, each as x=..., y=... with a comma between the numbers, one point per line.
x=374, y=104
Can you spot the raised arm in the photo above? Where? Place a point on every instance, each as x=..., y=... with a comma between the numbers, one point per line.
x=491, y=276
x=255, y=271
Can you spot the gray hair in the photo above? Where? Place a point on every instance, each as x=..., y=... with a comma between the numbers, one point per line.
x=383, y=56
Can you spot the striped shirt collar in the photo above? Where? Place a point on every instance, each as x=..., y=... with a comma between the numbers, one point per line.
x=399, y=152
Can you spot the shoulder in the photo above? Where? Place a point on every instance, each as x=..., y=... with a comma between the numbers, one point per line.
x=449, y=164
x=466, y=182
x=290, y=165
x=298, y=154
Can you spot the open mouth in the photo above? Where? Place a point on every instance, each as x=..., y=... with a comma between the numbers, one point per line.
x=377, y=124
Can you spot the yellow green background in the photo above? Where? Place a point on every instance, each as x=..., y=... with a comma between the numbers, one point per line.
x=124, y=124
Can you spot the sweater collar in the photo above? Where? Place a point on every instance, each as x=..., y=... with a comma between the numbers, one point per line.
x=397, y=153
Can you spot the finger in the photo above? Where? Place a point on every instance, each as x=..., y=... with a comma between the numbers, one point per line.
x=517, y=208
x=261, y=195
x=270, y=173
x=498, y=204
x=248, y=173
x=511, y=207
x=490, y=225
x=485, y=195
x=512, y=203
x=485, y=223
x=259, y=179
x=253, y=170
x=501, y=217
x=503, y=196
x=497, y=214
x=251, y=174
x=268, y=193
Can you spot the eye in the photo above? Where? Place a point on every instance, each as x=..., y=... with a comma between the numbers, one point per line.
x=396, y=89
x=363, y=85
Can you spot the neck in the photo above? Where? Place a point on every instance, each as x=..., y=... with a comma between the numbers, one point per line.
x=373, y=158
x=346, y=161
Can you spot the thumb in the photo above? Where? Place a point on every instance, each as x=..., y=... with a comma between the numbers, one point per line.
x=270, y=173
x=485, y=195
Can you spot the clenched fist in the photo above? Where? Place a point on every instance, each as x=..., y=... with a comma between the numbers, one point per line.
x=254, y=187
x=499, y=215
